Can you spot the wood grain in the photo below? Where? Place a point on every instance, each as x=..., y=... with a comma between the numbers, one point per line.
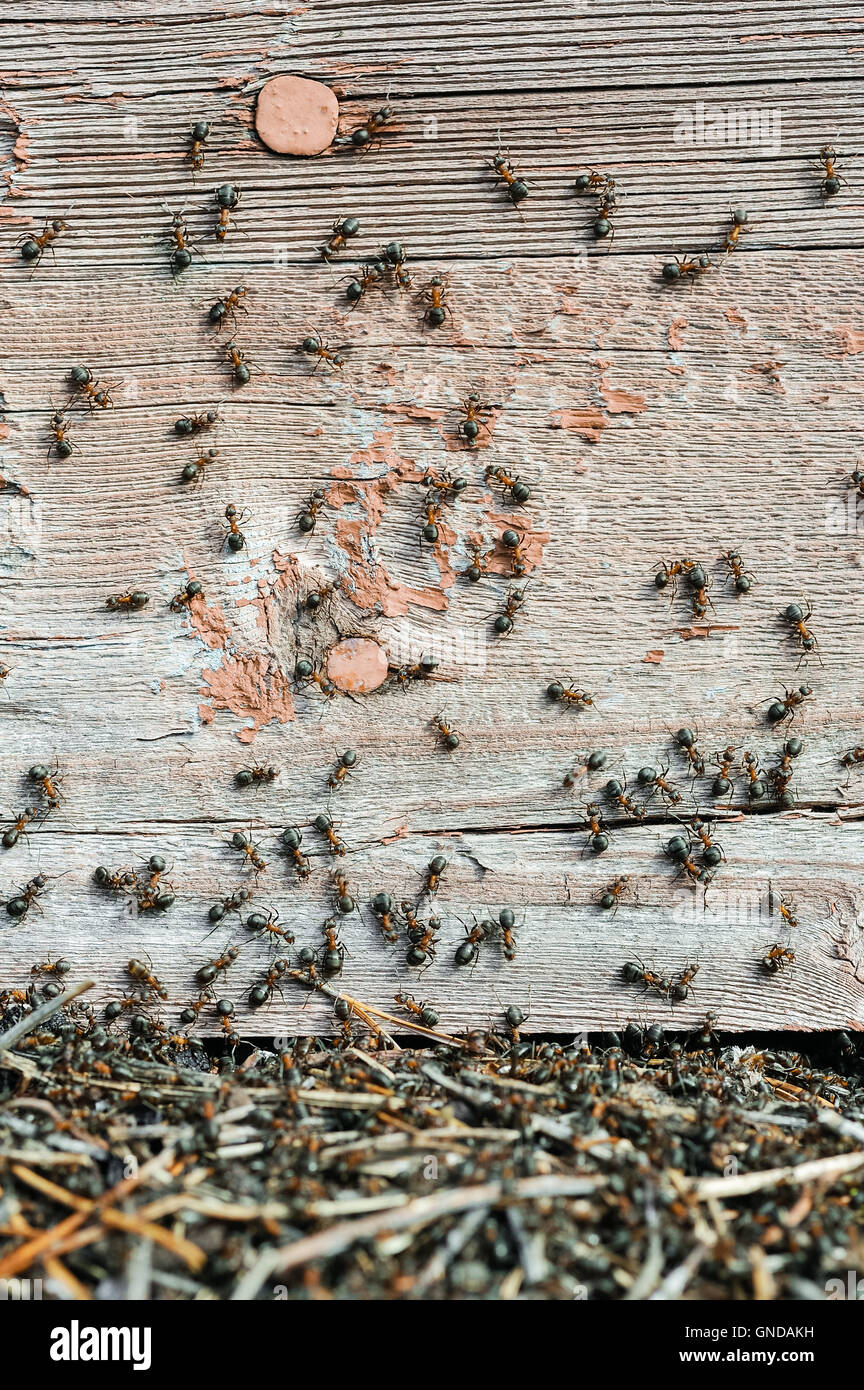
x=651, y=421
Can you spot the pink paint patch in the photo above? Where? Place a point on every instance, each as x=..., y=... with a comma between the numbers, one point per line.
x=587, y=423
x=654, y=657
x=674, y=334
x=209, y=623
x=851, y=339
x=296, y=116
x=621, y=402
x=252, y=687
x=358, y=665
x=737, y=319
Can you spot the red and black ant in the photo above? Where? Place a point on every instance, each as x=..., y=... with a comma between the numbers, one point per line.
x=234, y=537
x=263, y=992
x=250, y=852
x=197, y=137
x=514, y=489
x=797, y=618
x=62, y=445
x=832, y=180
x=33, y=248
x=777, y=958
x=343, y=229
x=256, y=775
x=292, y=840
x=780, y=709
x=513, y=603
x=227, y=198
x=314, y=346
x=368, y=135
x=227, y=307
x=181, y=254
x=143, y=976
x=382, y=906
x=434, y=301
x=476, y=414
x=516, y=188
x=742, y=578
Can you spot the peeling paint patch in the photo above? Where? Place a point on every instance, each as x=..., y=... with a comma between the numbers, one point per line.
x=673, y=334
x=251, y=687
x=653, y=658
x=851, y=339
x=588, y=423
x=620, y=402
x=737, y=319
x=14, y=158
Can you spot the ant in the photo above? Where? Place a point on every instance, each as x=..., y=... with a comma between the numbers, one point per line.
x=779, y=710
x=476, y=414
x=516, y=188
x=347, y=761
x=234, y=537
x=49, y=779
x=314, y=599
x=513, y=542
x=798, y=618
x=33, y=248
x=854, y=758
x=344, y=901
x=610, y=897
x=194, y=589
x=432, y=513
x=256, y=775
x=382, y=906
x=292, y=840
x=194, y=472
x=305, y=672
x=392, y=257
x=62, y=445
x=757, y=787
x=698, y=582
x=676, y=269
x=447, y=488
x=514, y=489
x=334, y=950
x=52, y=967
x=423, y=1012
x=130, y=602
x=415, y=671
x=227, y=197
x=478, y=567
x=197, y=136
x=446, y=737
x=234, y=903
x=422, y=938
x=503, y=624
x=432, y=877
x=669, y=574
x=777, y=958
x=712, y=853
x=739, y=218
x=658, y=781
x=635, y=972
x=227, y=308
x=181, y=256
x=84, y=385
x=781, y=774
x=832, y=180
x=616, y=791
x=594, y=761
x=365, y=136
x=143, y=975
x=433, y=299
x=262, y=993
x=371, y=273
x=598, y=839
x=324, y=824
x=307, y=517
x=343, y=230
x=686, y=741
x=267, y=924
x=20, y=905
x=785, y=907
x=19, y=826
x=743, y=580
x=250, y=852
x=468, y=951
x=313, y=346
x=240, y=373
x=153, y=895
x=121, y=881
x=206, y=974
x=682, y=985
x=678, y=849
x=197, y=424
x=569, y=695
x=506, y=922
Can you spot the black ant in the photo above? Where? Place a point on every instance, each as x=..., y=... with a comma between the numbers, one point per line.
x=616, y=791
x=194, y=472
x=251, y=855
x=777, y=958
x=611, y=896
x=785, y=708
x=516, y=188
x=197, y=136
x=307, y=517
x=234, y=537
x=682, y=986
x=679, y=850
x=334, y=950
x=324, y=824
x=313, y=346
x=742, y=579
x=506, y=923
x=130, y=602
x=305, y=673
x=97, y=397
x=257, y=775
x=476, y=414
x=33, y=248
x=234, y=903
x=59, y=427
x=690, y=269
x=371, y=273
x=181, y=255
x=832, y=180
x=292, y=840
x=240, y=373
x=421, y=936
x=444, y=486
x=598, y=838
x=478, y=566
x=343, y=229
x=227, y=197
x=515, y=490
x=347, y=762
x=657, y=780
x=194, y=589
x=503, y=624
x=49, y=780
x=413, y=671
x=854, y=758
x=686, y=741
x=468, y=950
x=785, y=907
x=781, y=774
x=433, y=299
x=798, y=618
x=634, y=972
x=723, y=785
x=757, y=786
x=18, y=906
x=267, y=924
x=739, y=218
x=382, y=906
x=197, y=424
x=514, y=543
x=18, y=828
x=424, y=1013
x=445, y=736
x=345, y=902
x=220, y=965
x=367, y=135
x=570, y=695
x=432, y=877
x=712, y=853
x=227, y=308
x=143, y=975
x=429, y=529
x=262, y=993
